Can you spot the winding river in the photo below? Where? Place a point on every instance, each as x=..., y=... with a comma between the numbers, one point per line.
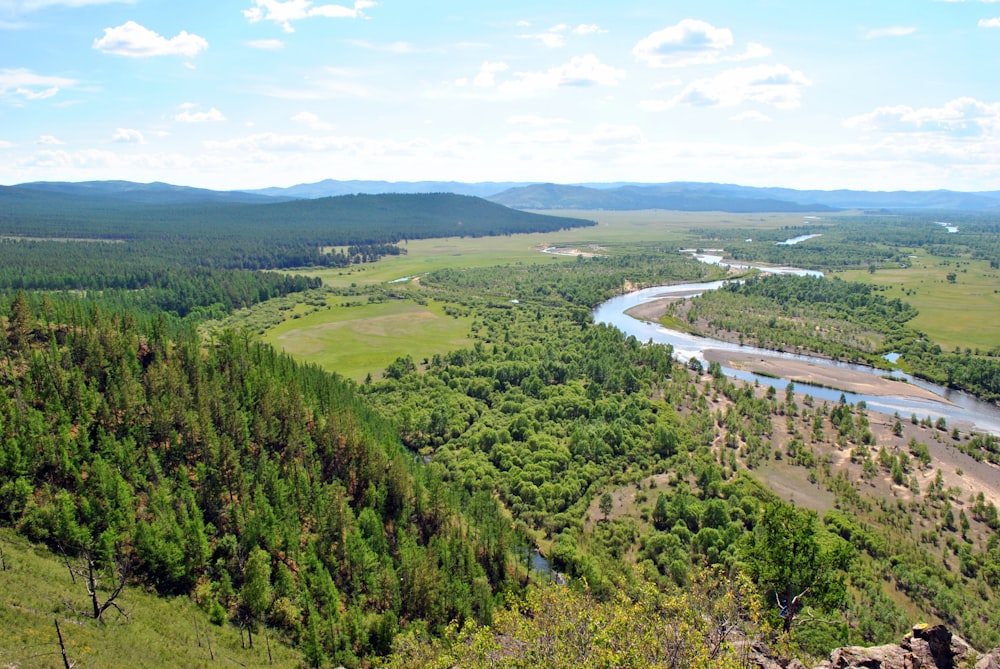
x=956, y=407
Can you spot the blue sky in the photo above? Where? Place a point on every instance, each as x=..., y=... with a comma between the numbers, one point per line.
x=872, y=94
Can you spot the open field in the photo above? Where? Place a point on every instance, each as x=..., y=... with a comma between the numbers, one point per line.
x=964, y=314
x=354, y=341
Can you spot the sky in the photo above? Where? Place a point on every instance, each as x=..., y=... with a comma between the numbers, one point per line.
x=240, y=94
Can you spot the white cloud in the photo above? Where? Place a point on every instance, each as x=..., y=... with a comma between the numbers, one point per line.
x=553, y=40
x=892, y=31
x=690, y=42
x=311, y=120
x=399, y=47
x=555, y=36
x=266, y=44
x=31, y=86
x=136, y=41
x=961, y=117
x=487, y=74
x=331, y=83
x=23, y=6
x=189, y=115
x=599, y=139
x=775, y=85
x=49, y=140
x=6, y=145
x=753, y=115
x=580, y=71
x=989, y=23
x=128, y=136
x=534, y=120
x=283, y=13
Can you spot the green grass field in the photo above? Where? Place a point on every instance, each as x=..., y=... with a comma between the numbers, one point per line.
x=358, y=340
x=36, y=590
x=965, y=313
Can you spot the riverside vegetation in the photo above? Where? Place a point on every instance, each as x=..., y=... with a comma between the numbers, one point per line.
x=391, y=521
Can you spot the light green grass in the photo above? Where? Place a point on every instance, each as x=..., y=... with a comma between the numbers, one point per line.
x=36, y=589
x=356, y=341
x=965, y=314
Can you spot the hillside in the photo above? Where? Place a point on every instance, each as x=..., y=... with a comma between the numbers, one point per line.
x=625, y=198
x=267, y=492
x=350, y=219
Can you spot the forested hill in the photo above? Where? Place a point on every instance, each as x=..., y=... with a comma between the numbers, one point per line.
x=180, y=259
x=333, y=221
x=264, y=489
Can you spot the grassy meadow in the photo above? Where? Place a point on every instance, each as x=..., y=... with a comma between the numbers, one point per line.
x=37, y=590
x=963, y=314
x=357, y=340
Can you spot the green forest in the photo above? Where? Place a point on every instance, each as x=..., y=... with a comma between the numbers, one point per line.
x=556, y=494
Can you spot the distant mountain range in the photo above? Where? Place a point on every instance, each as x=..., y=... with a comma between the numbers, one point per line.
x=681, y=196
x=155, y=193
x=329, y=187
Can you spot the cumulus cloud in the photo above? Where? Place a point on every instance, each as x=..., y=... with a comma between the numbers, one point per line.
x=891, y=31
x=311, y=120
x=692, y=42
x=30, y=86
x=580, y=71
x=553, y=40
x=775, y=85
x=399, y=47
x=266, y=44
x=535, y=120
x=136, y=41
x=128, y=136
x=487, y=74
x=555, y=36
x=989, y=23
x=49, y=140
x=283, y=13
x=753, y=115
x=961, y=117
x=188, y=114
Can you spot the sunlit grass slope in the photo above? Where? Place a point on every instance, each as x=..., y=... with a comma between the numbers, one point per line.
x=36, y=590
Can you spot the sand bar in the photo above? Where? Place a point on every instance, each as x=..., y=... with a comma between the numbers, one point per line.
x=819, y=374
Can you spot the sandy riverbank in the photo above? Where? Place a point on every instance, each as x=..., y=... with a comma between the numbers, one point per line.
x=818, y=374
x=796, y=370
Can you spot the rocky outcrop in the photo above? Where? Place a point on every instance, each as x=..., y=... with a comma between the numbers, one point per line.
x=926, y=647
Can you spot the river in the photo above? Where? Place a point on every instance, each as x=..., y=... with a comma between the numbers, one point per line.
x=956, y=407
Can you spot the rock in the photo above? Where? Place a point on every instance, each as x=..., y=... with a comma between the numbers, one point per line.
x=876, y=657
x=926, y=647
x=990, y=660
